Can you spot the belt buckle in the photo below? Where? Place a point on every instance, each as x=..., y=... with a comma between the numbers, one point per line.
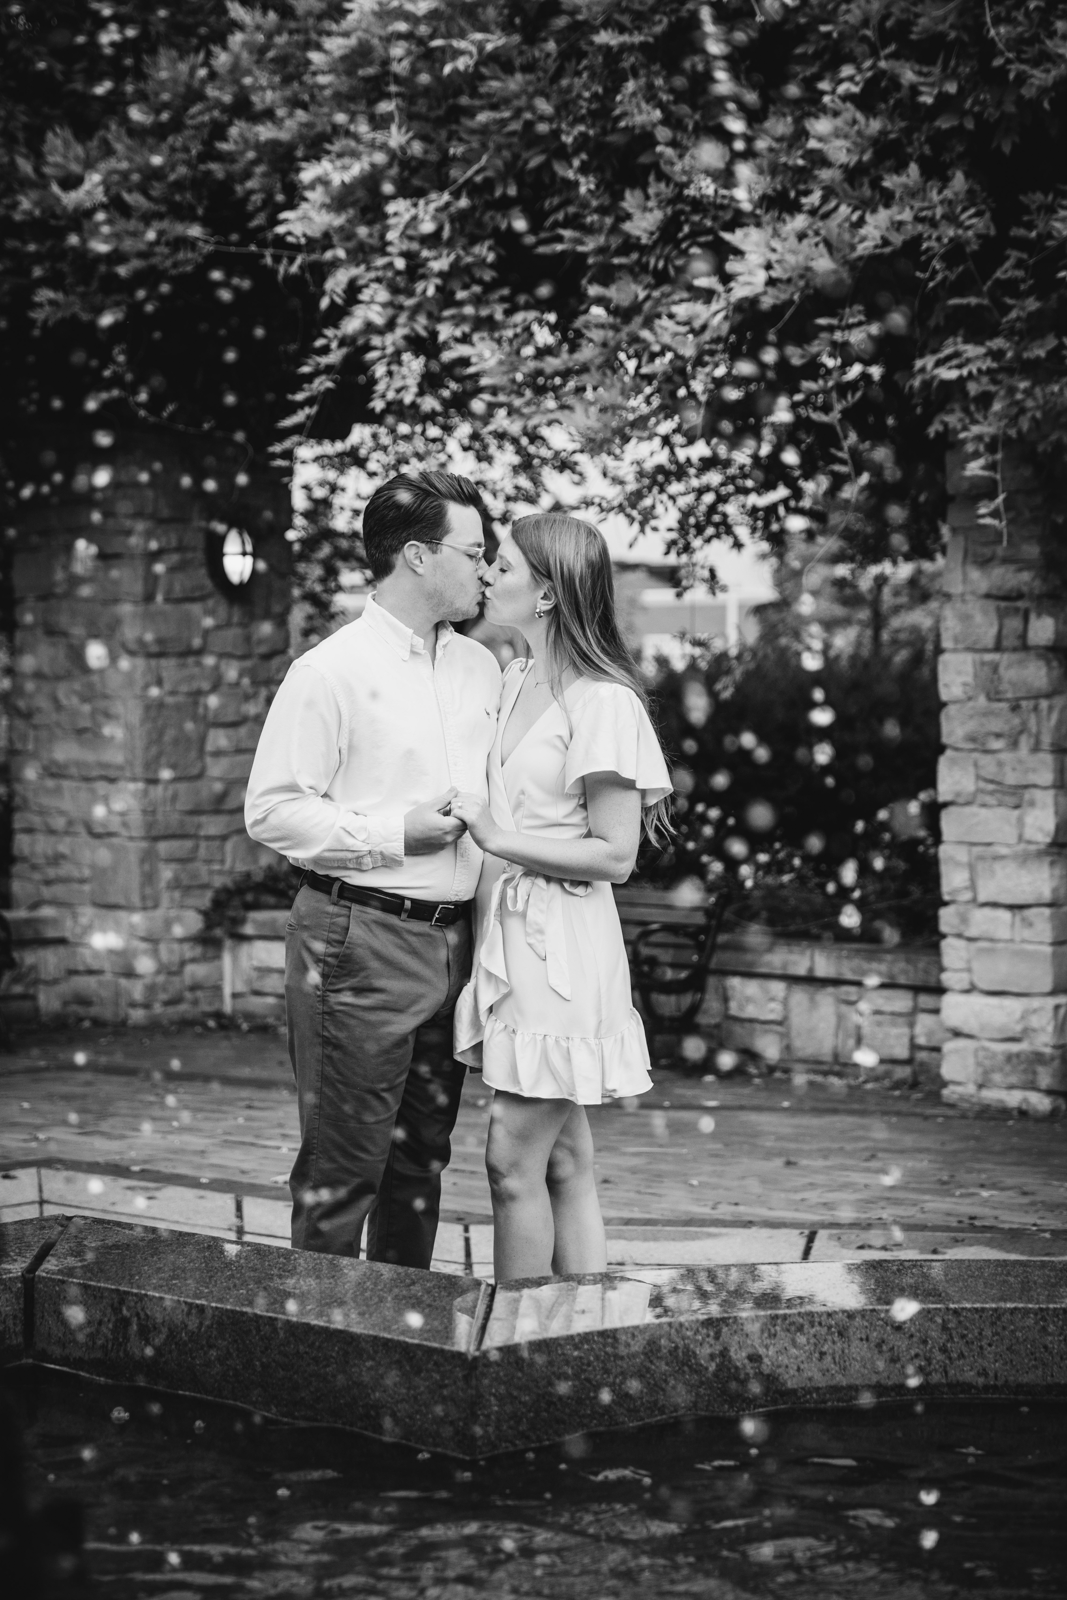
x=437, y=912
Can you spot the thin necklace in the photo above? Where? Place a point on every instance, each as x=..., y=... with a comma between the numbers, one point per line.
x=540, y=682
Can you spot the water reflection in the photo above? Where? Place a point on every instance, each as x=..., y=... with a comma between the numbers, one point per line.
x=901, y=1289
x=548, y=1310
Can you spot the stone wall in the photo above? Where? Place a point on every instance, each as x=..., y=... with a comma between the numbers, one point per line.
x=1004, y=824
x=140, y=690
x=862, y=1013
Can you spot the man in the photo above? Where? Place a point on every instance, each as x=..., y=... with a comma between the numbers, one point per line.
x=370, y=735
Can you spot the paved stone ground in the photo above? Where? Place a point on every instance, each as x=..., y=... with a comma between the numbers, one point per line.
x=197, y=1128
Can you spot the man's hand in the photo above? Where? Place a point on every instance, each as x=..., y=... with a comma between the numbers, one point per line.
x=474, y=812
x=427, y=828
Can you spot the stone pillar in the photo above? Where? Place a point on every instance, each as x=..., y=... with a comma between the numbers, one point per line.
x=140, y=689
x=1004, y=823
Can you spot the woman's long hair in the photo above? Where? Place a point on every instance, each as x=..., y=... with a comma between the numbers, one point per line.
x=571, y=558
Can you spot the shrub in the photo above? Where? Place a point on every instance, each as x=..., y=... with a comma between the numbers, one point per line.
x=271, y=888
x=805, y=776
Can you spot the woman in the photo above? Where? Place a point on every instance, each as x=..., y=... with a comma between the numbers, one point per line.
x=547, y=1013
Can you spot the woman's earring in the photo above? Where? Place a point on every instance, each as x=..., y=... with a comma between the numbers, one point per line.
x=539, y=609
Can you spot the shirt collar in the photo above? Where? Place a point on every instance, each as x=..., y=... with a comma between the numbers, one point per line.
x=394, y=632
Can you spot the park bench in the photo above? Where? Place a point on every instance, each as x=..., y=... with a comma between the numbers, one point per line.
x=670, y=957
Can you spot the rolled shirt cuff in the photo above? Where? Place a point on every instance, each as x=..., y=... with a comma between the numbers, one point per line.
x=386, y=839
x=367, y=841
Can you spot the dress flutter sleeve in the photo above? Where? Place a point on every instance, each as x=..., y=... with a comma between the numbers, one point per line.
x=611, y=732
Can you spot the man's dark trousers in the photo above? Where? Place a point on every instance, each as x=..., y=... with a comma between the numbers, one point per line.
x=369, y=1000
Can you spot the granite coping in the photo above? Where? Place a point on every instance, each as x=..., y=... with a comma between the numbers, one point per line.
x=22, y=1246
x=450, y=1363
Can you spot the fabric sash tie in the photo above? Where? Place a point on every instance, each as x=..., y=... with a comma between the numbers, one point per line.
x=540, y=900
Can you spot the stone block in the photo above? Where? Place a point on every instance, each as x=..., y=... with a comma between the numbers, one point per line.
x=926, y=1069
x=930, y=1032
x=1027, y=1102
x=956, y=954
x=756, y=1038
x=953, y=575
x=811, y=1022
x=958, y=980
x=268, y=983
x=186, y=675
x=383, y=1349
x=1013, y=627
x=270, y=638
x=166, y=736
x=983, y=1016
x=203, y=974
x=1021, y=878
x=1039, y=925
x=1021, y=769
x=245, y=855
x=230, y=641
x=847, y=1037
x=959, y=1061
x=712, y=1007
x=1019, y=1066
x=889, y=1002
x=980, y=825
x=229, y=705
x=162, y=630
x=240, y=736
x=1045, y=1021
x=233, y=768
x=756, y=999
x=1007, y=580
x=124, y=874
x=1044, y=816
x=956, y=674
x=976, y=922
x=1019, y=968
x=268, y=954
x=983, y=725
x=956, y=778
x=178, y=849
x=955, y=864
x=260, y=1008
x=969, y=625
x=1025, y=675
x=1050, y=723
x=890, y=1037
x=1047, y=625
x=271, y=925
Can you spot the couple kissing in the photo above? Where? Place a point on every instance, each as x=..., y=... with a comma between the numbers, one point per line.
x=458, y=833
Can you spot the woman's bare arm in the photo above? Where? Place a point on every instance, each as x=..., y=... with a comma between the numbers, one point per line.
x=606, y=854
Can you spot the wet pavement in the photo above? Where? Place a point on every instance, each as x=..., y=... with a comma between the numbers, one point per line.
x=197, y=1128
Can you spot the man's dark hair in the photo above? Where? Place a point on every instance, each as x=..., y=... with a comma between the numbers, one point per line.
x=412, y=506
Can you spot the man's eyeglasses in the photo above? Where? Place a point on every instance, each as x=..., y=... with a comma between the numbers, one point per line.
x=477, y=555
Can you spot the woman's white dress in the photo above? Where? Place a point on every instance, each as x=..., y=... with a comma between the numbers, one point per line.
x=548, y=1011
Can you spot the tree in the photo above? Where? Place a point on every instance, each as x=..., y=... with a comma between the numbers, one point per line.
x=759, y=258
x=144, y=167
x=787, y=251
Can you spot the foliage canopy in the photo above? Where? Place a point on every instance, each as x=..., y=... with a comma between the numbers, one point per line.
x=760, y=258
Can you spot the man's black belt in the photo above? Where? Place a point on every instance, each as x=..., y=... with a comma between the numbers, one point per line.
x=397, y=905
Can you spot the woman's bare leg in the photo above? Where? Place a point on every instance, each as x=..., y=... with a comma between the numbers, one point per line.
x=522, y=1134
x=581, y=1245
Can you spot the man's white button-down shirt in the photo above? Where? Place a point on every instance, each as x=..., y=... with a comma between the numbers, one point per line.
x=364, y=727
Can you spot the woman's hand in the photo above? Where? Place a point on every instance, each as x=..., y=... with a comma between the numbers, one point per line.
x=472, y=810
